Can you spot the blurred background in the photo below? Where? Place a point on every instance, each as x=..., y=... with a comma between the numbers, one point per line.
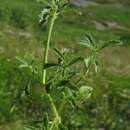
x=21, y=36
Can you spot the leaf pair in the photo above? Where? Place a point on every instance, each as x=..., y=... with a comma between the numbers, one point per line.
x=61, y=60
x=90, y=43
x=109, y=43
x=91, y=61
x=44, y=16
x=27, y=65
x=53, y=6
x=79, y=96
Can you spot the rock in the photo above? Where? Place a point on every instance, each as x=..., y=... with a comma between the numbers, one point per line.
x=82, y=3
x=104, y=25
x=24, y=34
x=99, y=25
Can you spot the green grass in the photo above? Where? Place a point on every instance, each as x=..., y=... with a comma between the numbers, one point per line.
x=80, y=20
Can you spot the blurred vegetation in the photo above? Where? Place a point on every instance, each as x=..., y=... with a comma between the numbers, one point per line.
x=20, y=35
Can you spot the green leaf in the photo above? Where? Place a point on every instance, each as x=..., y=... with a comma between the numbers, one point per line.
x=89, y=38
x=84, y=93
x=13, y=108
x=87, y=41
x=69, y=93
x=46, y=122
x=63, y=82
x=96, y=66
x=74, y=61
x=109, y=43
x=59, y=54
x=87, y=62
x=21, y=61
x=72, y=86
x=23, y=66
x=44, y=16
x=72, y=101
x=49, y=65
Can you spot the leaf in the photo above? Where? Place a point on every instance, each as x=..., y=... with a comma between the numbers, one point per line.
x=89, y=38
x=44, y=16
x=23, y=66
x=74, y=61
x=69, y=93
x=72, y=86
x=21, y=61
x=84, y=93
x=112, y=42
x=72, y=101
x=63, y=82
x=87, y=41
x=13, y=108
x=59, y=54
x=96, y=66
x=87, y=62
x=49, y=65
x=46, y=122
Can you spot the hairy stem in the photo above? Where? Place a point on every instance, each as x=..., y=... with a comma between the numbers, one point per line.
x=45, y=60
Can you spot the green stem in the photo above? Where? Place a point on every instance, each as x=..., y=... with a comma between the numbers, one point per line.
x=45, y=60
x=53, y=106
x=57, y=119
